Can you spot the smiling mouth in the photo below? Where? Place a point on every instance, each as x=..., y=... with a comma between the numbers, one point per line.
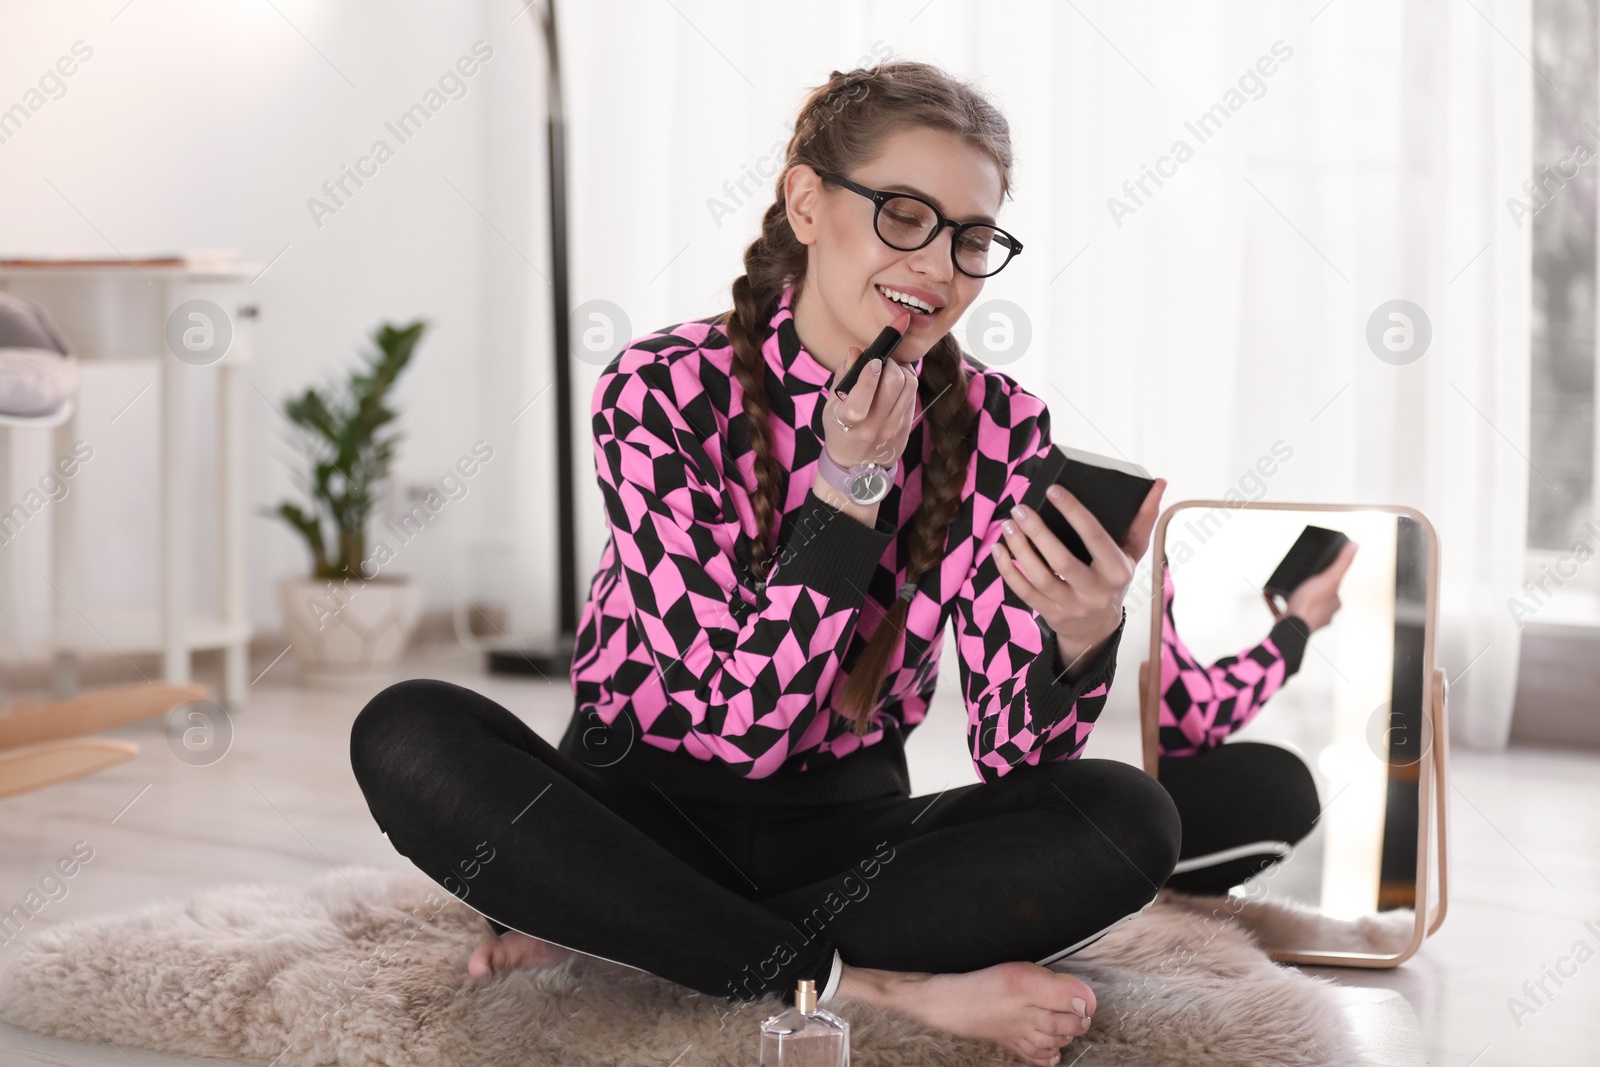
x=907, y=301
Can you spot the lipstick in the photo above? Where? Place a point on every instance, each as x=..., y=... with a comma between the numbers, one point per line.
x=880, y=348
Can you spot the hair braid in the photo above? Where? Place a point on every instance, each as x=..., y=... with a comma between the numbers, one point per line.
x=951, y=418
x=754, y=298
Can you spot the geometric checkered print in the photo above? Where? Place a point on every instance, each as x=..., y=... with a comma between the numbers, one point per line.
x=678, y=637
x=1201, y=706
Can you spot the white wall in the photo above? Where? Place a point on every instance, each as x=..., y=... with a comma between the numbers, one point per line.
x=1227, y=313
x=210, y=125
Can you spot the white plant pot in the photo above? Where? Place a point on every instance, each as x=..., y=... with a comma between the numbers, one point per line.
x=349, y=634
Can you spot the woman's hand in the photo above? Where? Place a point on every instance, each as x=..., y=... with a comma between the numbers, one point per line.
x=879, y=411
x=1316, y=599
x=1081, y=602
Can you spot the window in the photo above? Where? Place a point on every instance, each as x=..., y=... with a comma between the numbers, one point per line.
x=1561, y=487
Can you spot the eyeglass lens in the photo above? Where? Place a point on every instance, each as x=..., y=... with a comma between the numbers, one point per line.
x=907, y=224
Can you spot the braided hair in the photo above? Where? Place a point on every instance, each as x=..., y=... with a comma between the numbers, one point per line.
x=840, y=127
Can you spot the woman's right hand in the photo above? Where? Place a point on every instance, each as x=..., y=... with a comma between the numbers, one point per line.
x=879, y=410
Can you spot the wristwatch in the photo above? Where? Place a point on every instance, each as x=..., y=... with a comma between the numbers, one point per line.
x=864, y=483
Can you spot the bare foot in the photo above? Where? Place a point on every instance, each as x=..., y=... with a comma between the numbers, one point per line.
x=1021, y=1006
x=512, y=950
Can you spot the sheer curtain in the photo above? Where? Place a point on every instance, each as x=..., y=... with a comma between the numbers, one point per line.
x=1334, y=156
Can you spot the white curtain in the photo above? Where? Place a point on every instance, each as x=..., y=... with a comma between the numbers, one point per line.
x=1340, y=155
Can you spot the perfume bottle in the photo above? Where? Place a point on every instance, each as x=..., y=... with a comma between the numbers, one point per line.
x=805, y=1035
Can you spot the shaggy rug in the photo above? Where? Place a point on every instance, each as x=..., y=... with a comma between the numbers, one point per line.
x=367, y=967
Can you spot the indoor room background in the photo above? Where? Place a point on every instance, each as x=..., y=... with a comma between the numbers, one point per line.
x=1264, y=176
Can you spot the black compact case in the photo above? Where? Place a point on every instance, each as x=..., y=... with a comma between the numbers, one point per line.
x=1112, y=489
x=1312, y=553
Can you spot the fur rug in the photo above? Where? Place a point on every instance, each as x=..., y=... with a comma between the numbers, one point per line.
x=366, y=967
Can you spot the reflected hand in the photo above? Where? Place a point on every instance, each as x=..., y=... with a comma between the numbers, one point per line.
x=1316, y=600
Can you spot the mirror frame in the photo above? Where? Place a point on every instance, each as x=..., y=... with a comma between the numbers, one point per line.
x=1433, y=776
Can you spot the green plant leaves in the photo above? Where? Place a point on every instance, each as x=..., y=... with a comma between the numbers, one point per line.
x=349, y=451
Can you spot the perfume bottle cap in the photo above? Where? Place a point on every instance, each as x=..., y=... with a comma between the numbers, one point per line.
x=805, y=996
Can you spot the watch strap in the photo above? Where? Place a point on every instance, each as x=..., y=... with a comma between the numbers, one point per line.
x=840, y=477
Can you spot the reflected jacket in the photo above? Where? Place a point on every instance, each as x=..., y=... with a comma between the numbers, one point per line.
x=1201, y=705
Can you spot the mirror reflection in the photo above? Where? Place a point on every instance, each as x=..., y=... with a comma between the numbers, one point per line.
x=1329, y=673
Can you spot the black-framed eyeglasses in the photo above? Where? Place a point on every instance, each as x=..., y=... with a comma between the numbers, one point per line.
x=906, y=223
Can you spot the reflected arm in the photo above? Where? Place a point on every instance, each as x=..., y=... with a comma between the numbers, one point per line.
x=1200, y=705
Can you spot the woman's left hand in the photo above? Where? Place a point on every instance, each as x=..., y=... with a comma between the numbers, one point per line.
x=1081, y=602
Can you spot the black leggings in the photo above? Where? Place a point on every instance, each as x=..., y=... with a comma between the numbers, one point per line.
x=1244, y=805
x=739, y=901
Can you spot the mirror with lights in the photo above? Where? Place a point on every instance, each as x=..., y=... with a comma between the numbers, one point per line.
x=1269, y=629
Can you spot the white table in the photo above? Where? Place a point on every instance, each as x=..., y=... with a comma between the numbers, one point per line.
x=119, y=313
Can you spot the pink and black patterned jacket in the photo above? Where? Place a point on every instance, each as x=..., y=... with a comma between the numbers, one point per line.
x=692, y=677
x=1200, y=705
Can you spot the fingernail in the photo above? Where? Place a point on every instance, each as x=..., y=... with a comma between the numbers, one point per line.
x=1055, y=493
x=1021, y=511
x=1080, y=1005
x=1009, y=527
x=877, y=365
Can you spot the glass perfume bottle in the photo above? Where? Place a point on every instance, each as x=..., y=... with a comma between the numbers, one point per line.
x=805, y=1035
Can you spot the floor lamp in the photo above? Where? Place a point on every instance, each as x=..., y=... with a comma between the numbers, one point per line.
x=554, y=660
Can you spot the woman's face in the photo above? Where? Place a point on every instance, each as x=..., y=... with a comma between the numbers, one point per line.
x=841, y=303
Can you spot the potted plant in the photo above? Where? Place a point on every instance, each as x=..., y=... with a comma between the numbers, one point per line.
x=348, y=623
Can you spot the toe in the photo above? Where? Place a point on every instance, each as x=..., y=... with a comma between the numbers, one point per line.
x=1041, y=1055
x=1071, y=994
x=1051, y=1042
x=478, y=962
x=1058, y=1025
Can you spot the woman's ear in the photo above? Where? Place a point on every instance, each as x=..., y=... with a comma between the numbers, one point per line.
x=802, y=193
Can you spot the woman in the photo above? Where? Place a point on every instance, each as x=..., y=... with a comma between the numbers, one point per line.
x=1271, y=801
x=730, y=807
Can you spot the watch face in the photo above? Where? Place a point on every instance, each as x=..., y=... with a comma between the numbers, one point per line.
x=869, y=488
